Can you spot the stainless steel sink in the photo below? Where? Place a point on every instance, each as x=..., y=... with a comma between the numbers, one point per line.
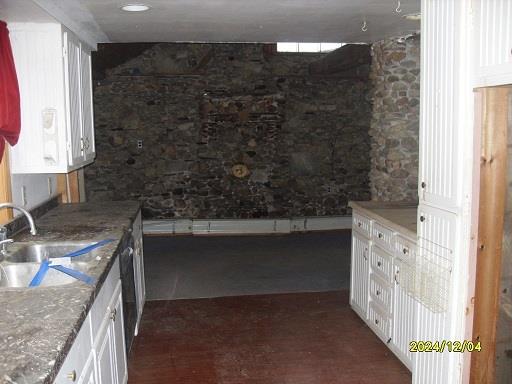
x=35, y=253
x=20, y=276
x=22, y=261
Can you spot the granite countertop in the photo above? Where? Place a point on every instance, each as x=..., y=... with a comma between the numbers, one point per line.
x=400, y=216
x=38, y=325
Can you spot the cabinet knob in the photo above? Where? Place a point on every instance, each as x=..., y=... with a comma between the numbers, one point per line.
x=359, y=224
x=423, y=185
x=422, y=218
x=379, y=263
x=405, y=251
x=380, y=235
x=378, y=292
x=72, y=376
x=113, y=314
x=376, y=321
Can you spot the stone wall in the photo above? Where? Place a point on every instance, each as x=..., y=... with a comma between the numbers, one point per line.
x=395, y=77
x=201, y=109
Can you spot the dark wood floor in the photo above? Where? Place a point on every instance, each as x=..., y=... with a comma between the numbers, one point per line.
x=303, y=338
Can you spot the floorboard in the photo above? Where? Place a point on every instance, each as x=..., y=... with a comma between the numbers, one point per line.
x=297, y=338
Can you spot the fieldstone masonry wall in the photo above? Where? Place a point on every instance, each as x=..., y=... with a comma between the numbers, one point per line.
x=200, y=109
x=395, y=77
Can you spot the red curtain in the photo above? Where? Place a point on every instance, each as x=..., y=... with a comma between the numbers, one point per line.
x=9, y=93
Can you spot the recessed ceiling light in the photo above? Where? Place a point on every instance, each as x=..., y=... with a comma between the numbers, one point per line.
x=135, y=7
x=413, y=16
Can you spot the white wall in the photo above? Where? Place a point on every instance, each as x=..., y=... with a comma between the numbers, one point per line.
x=38, y=188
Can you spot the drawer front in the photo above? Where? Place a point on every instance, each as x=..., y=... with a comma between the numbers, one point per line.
x=74, y=363
x=361, y=224
x=382, y=263
x=405, y=250
x=383, y=236
x=379, y=321
x=381, y=292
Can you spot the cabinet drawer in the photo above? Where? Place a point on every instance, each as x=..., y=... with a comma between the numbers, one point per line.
x=382, y=263
x=383, y=236
x=77, y=355
x=381, y=292
x=379, y=321
x=405, y=249
x=361, y=224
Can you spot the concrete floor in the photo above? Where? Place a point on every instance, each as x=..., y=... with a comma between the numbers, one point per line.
x=188, y=267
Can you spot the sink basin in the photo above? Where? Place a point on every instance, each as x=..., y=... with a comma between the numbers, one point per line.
x=35, y=253
x=23, y=260
x=20, y=275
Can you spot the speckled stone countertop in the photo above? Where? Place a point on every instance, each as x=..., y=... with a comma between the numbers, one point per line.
x=402, y=217
x=38, y=325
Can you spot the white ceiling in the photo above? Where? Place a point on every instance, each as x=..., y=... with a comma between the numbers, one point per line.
x=232, y=20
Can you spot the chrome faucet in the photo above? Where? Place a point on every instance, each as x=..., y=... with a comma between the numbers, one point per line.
x=3, y=231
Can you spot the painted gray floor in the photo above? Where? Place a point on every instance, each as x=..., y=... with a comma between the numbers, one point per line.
x=198, y=267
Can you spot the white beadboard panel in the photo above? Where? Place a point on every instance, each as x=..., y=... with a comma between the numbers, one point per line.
x=37, y=189
x=493, y=35
x=245, y=226
x=38, y=61
x=437, y=230
x=444, y=90
x=359, y=277
x=405, y=308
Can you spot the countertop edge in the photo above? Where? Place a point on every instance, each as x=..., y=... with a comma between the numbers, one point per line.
x=87, y=305
x=391, y=224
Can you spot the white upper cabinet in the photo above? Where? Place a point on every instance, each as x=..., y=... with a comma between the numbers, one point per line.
x=54, y=75
x=445, y=93
x=492, y=26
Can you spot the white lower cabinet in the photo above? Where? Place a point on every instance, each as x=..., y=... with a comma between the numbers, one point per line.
x=404, y=318
x=359, y=274
x=98, y=354
x=378, y=291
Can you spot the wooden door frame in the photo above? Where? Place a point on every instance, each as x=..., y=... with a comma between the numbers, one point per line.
x=491, y=183
x=6, y=215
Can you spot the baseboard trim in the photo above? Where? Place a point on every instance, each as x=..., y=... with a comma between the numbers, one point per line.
x=245, y=226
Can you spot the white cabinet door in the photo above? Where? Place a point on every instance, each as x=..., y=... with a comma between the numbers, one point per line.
x=89, y=373
x=445, y=92
x=138, y=260
x=87, y=105
x=493, y=37
x=72, y=64
x=105, y=363
x=118, y=340
x=404, y=319
x=359, y=274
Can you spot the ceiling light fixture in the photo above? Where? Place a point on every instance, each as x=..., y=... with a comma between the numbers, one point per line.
x=413, y=16
x=135, y=7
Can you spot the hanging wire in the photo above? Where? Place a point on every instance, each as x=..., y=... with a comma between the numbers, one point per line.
x=398, y=8
x=364, y=27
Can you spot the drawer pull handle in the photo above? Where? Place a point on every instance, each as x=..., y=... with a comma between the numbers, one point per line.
x=380, y=235
x=422, y=218
x=113, y=314
x=376, y=321
x=72, y=376
x=405, y=251
x=379, y=264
